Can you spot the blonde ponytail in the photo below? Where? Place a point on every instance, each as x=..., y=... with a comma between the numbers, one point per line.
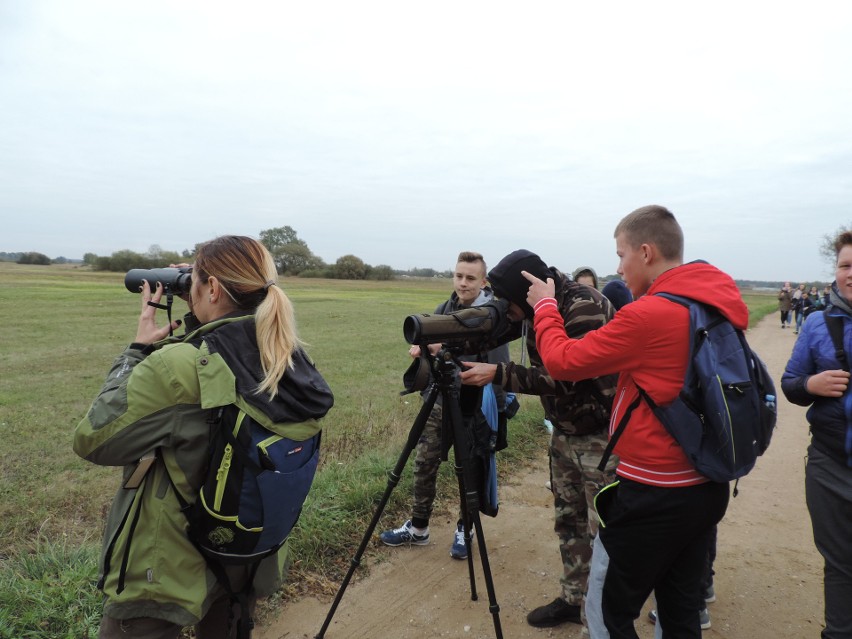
x=276, y=338
x=246, y=271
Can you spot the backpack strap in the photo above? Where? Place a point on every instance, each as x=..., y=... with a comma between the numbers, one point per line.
x=242, y=598
x=616, y=434
x=683, y=301
x=834, y=325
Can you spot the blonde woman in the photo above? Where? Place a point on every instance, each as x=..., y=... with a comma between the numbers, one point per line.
x=158, y=398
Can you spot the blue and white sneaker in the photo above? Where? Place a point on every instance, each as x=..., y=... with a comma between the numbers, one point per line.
x=459, y=550
x=404, y=535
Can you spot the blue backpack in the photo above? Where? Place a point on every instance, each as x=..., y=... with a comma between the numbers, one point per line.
x=725, y=414
x=254, y=487
x=253, y=492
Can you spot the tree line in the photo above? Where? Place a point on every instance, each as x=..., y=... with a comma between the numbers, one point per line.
x=291, y=254
x=293, y=257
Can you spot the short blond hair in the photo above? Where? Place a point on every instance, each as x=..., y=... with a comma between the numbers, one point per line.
x=656, y=225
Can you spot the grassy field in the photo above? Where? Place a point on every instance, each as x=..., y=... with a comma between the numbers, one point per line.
x=61, y=327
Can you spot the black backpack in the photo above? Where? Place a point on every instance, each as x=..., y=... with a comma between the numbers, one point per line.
x=254, y=487
x=725, y=413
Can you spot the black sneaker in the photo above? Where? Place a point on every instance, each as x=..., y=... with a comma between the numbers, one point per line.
x=556, y=612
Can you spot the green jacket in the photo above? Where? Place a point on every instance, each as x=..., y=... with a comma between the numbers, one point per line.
x=162, y=402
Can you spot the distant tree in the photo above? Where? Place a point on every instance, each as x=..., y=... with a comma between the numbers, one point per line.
x=186, y=254
x=350, y=267
x=124, y=261
x=33, y=257
x=89, y=259
x=326, y=272
x=294, y=258
x=279, y=236
x=158, y=257
x=422, y=272
x=381, y=272
x=826, y=249
x=290, y=253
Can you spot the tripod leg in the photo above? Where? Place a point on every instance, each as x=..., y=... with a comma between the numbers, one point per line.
x=393, y=480
x=493, y=606
x=466, y=526
x=462, y=447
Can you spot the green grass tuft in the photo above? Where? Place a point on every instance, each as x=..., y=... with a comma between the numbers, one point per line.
x=49, y=593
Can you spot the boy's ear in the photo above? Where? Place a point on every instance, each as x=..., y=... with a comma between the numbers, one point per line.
x=649, y=253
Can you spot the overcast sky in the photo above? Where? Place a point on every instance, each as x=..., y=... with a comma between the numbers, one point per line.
x=406, y=132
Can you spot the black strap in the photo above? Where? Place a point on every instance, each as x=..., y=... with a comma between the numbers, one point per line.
x=834, y=325
x=125, y=560
x=613, y=440
x=166, y=307
x=242, y=597
x=111, y=546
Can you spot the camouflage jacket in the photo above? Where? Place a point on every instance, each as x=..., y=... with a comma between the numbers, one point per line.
x=575, y=408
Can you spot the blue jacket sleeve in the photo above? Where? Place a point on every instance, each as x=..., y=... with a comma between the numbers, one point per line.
x=800, y=367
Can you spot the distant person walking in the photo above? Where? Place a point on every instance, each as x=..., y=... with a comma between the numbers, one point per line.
x=802, y=307
x=785, y=303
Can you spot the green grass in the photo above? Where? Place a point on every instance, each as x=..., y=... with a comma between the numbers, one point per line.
x=759, y=306
x=49, y=592
x=60, y=329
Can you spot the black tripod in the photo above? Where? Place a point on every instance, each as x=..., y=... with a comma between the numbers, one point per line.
x=458, y=410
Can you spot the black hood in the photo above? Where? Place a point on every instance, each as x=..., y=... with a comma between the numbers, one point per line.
x=302, y=393
x=507, y=282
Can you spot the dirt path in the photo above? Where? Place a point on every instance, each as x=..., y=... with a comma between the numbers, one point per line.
x=768, y=574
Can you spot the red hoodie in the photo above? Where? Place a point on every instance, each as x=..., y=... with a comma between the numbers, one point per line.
x=647, y=343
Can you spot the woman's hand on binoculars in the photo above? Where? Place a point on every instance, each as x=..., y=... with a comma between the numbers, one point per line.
x=147, y=332
x=478, y=373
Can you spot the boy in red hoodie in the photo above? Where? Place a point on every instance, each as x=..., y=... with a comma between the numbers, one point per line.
x=655, y=520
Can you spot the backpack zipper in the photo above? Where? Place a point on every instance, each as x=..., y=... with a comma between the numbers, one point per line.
x=728, y=415
x=225, y=466
x=222, y=477
x=269, y=441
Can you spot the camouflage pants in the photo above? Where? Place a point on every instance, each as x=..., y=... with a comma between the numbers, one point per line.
x=427, y=460
x=575, y=480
